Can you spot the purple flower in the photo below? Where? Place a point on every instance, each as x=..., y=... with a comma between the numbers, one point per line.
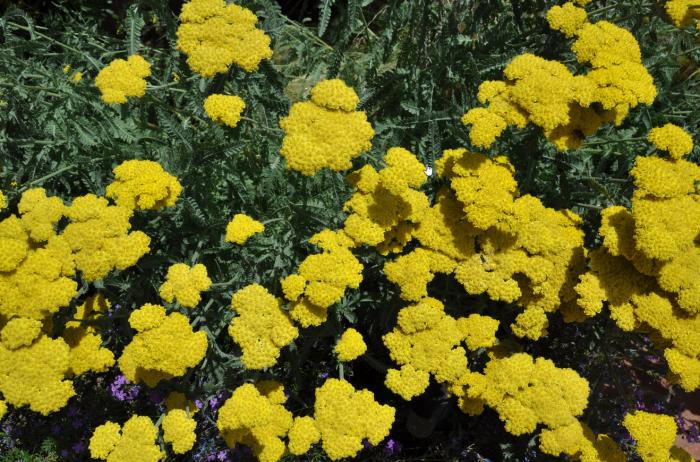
x=392, y=447
x=122, y=390
x=156, y=396
x=78, y=447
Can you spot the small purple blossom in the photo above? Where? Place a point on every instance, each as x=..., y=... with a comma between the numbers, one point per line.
x=78, y=447
x=392, y=447
x=122, y=389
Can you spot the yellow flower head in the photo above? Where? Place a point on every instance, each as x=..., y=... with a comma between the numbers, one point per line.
x=671, y=138
x=251, y=418
x=567, y=18
x=350, y=346
x=185, y=284
x=345, y=417
x=178, y=430
x=99, y=237
x=241, y=227
x=134, y=442
x=165, y=346
x=77, y=77
x=261, y=328
x=214, y=35
x=143, y=185
x=224, y=109
x=479, y=331
x=656, y=436
x=33, y=367
x=40, y=213
x=123, y=78
x=302, y=435
x=325, y=132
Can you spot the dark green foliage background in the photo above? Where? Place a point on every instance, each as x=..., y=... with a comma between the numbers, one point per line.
x=416, y=66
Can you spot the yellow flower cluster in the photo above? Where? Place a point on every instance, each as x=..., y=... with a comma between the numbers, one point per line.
x=123, y=78
x=165, y=346
x=256, y=419
x=302, y=435
x=480, y=331
x=682, y=12
x=345, y=417
x=86, y=351
x=178, y=430
x=143, y=185
x=326, y=132
x=646, y=268
x=99, y=237
x=134, y=442
x=40, y=214
x=33, y=367
x=350, y=346
x=178, y=400
x=656, y=436
x=3, y=200
x=579, y=442
x=241, y=227
x=671, y=138
x=526, y=393
x=3, y=409
x=566, y=106
x=215, y=34
x=425, y=341
x=512, y=248
x=224, y=109
x=387, y=204
x=261, y=327
x=314, y=289
x=185, y=284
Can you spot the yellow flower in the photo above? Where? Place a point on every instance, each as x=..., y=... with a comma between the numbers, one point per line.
x=86, y=351
x=3, y=409
x=479, y=331
x=123, y=78
x=656, y=436
x=30, y=364
x=345, y=417
x=143, y=185
x=249, y=417
x=214, y=35
x=261, y=328
x=178, y=430
x=350, y=346
x=241, y=227
x=3, y=200
x=40, y=213
x=77, y=77
x=302, y=435
x=185, y=284
x=224, y=109
x=671, y=138
x=165, y=346
x=134, y=442
x=325, y=132
x=567, y=18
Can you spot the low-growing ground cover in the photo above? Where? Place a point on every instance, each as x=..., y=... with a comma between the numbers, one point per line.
x=379, y=230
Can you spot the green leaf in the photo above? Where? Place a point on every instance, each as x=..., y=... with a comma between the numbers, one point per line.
x=324, y=16
x=134, y=25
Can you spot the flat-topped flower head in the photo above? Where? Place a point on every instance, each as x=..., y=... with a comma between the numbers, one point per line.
x=224, y=109
x=185, y=284
x=135, y=441
x=143, y=185
x=214, y=35
x=671, y=138
x=350, y=346
x=122, y=79
x=241, y=227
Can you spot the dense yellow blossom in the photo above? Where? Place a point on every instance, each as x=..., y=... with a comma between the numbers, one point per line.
x=261, y=327
x=178, y=430
x=164, y=347
x=526, y=393
x=86, y=351
x=185, y=284
x=135, y=441
x=123, y=78
x=302, y=435
x=577, y=440
x=99, y=237
x=479, y=331
x=546, y=93
x=321, y=287
x=215, y=34
x=249, y=417
x=241, y=227
x=350, y=346
x=345, y=417
x=143, y=185
x=178, y=400
x=682, y=12
x=33, y=368
x=427, y=339
x=90, y=310
x=3, y=200
x=224, y=109
x=407, y=382
x=3, y=409
x=655, y=435
x=388, y=205
x=36, y=281
x=325, y=132
x=40, y=213
x=672, y=138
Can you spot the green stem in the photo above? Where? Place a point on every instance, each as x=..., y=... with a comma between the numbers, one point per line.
x=263, y=127
x=46, y=177
x=92, y=61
